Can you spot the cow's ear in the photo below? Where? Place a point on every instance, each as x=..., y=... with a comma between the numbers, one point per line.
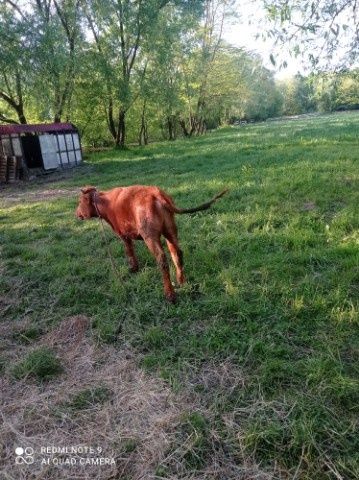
x=88, y=189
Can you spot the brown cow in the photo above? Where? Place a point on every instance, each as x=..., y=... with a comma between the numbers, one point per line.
x=141, y=213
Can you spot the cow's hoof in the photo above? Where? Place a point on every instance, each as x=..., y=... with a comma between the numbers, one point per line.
x=181, y=280
x=171, y=298
x=134, y=269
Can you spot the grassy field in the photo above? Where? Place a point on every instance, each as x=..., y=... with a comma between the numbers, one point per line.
x=261, y=349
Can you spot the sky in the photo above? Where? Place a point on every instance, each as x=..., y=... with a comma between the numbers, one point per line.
x=242, y=32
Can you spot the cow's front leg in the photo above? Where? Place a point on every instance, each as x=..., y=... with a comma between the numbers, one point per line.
x=130, y=252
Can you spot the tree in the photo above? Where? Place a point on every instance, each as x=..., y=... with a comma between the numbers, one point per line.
x=198, y=63
x=298, y=95
x=14, y=63
x=239, y=88
x=120, y=28
x=58, y=32
x=39, y=41
x=88, y=104
x=165, y=63
x=336, y=91
x=325, y=31
x=348, y=91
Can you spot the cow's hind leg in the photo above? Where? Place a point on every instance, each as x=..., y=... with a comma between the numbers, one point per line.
x=155, y=247
x=130, y=252
x=170, y=232
x=177, y=258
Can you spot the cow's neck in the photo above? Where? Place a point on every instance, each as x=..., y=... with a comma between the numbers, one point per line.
x=104, y=210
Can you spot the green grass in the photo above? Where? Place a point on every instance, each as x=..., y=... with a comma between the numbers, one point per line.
x=272, y=275
x=28, y=334
x=89, y=398
x=41, y=363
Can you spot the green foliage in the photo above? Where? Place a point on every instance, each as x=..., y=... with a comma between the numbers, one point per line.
x=14, y=61
x=257, y=96
x=40, y=363
x=143, y=71
x=129, y=446
x=129, y=71
x=325, y=31
x=338, y=91
x=41, y=42
x=298, y=96
x=324, y=92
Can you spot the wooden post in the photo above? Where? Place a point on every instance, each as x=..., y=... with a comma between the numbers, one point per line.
x=3, y=168
x=11, y=169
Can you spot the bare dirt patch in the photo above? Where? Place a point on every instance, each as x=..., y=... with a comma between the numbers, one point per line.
x=42, y=188
x=308, y=206
x=37, y=195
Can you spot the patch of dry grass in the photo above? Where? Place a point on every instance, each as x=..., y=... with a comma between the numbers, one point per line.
x=142, y=411
x=140, y=424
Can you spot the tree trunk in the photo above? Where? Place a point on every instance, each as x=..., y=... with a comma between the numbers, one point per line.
x=110, y=120
x=18, y=106
x=63, y=95
x=143, y=135
x=121, y=131
x=202, y=127
x=184, y=128
x=194, y=124
x=57, y=105
x=21, y=115
x=200, y=123
x=171, y=127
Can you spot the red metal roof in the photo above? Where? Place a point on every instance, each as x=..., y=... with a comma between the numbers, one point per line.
x=38, y=128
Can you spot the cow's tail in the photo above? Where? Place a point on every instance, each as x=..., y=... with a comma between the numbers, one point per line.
x=204, y=206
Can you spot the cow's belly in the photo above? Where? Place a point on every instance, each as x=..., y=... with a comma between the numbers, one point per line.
x=127, y=229
x=135, y=237
x=130, y=234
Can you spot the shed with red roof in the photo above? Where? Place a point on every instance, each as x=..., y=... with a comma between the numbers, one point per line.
x=41, y=147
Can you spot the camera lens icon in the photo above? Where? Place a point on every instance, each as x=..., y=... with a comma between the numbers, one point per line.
x=24, y=455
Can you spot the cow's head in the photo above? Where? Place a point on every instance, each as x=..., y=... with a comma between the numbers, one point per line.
x=86, y=208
